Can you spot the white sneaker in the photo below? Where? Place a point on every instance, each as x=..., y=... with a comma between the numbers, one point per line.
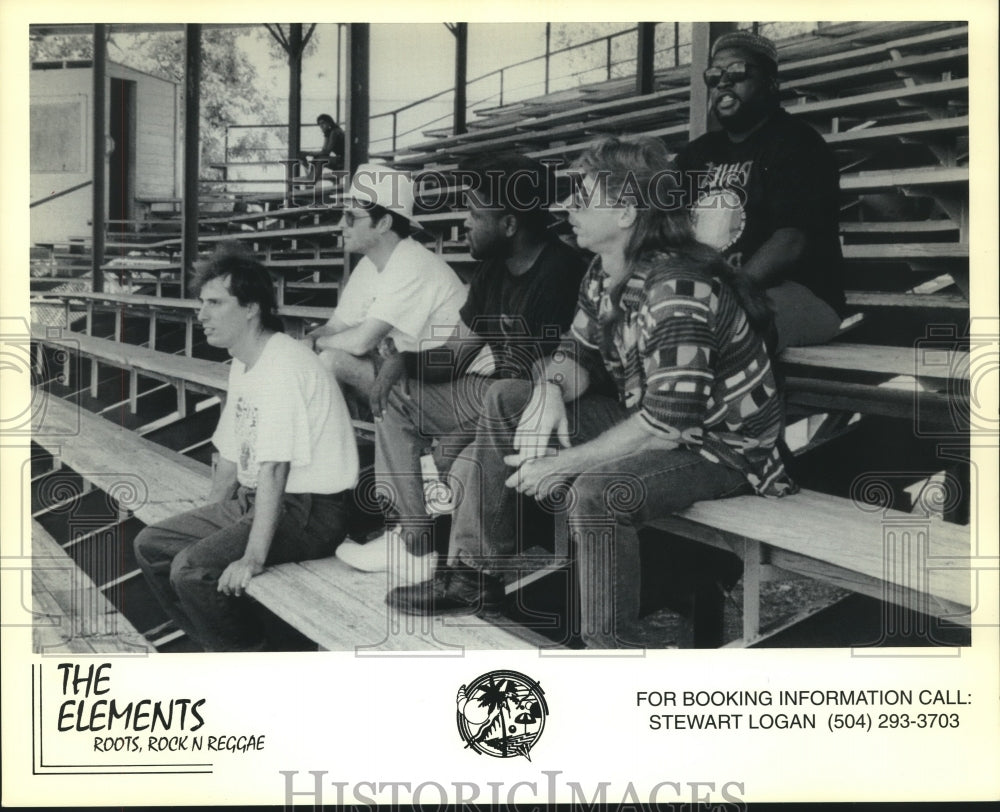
x=388, y=550
x=370, y=557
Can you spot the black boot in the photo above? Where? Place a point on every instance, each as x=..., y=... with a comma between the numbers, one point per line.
x=459, y=590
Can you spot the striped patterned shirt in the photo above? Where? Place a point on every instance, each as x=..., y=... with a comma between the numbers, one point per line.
x=685, y=358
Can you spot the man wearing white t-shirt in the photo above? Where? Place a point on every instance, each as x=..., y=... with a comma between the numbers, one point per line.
x=399, y=290
x=287, y=464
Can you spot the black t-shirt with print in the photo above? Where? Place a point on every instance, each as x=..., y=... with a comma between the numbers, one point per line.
x=782, y=176
x=522, y=317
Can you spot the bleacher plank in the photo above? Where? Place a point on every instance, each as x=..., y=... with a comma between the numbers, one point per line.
x=509, y=136
x=837, y=56
x=907, y=251
x=257, y=236
x=935, y=363
x=861, y=298
x=880, y=180
x=892, y=133
x=883, y=100
x=271, y=214
x=620, y=122
x=306, y=312
x=899, y=227
x=542, y=127
x=71, y=614
x=327, y=287
x=896, y=399
x=912, y=560
x=869, y=74
x=343, y=609
x=189, y=306
x=320, y=263
x=207, y=376
x=334, y=605
x=93, y=446
x=182, y=371
x=127, y=299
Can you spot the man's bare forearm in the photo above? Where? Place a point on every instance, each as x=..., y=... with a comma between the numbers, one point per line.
x=271, y=480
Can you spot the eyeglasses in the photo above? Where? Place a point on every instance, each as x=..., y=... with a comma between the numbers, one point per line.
x=737, y=72
x=580, y=197
x=350, y=217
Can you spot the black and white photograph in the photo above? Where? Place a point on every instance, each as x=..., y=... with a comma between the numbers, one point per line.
x=393, y=374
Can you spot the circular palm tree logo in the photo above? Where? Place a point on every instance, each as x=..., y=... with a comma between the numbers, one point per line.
x=501, y=714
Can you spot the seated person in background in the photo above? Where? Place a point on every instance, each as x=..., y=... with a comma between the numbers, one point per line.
x=399, y=290
x=332, y=151
x=288, y=462
x=696, y=412
x=765, y=191
x=520, y=301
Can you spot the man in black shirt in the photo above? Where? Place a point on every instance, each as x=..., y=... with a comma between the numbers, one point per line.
x=521, y=298
x=765, y=192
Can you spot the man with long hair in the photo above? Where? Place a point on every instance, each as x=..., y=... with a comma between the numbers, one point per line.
x=693, y=413
x=331, y=154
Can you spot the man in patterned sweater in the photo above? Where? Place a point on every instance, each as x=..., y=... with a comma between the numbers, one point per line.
x=692, y=411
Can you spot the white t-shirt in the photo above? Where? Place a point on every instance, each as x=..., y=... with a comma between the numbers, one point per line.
x=287, y=408
x=417, y=293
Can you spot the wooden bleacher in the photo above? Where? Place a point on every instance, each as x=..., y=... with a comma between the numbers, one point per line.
x=891, y=99
x=153, y=308
x=910, y=560
x=299, y=606
x=885, y=363
x=71, y=614
x=893, y=106
x=181, y=372
x=339, y=608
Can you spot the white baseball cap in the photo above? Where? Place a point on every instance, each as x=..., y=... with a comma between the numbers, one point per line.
x=375, y=184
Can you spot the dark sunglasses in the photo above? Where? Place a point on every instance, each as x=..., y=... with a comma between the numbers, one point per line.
x=737, y=72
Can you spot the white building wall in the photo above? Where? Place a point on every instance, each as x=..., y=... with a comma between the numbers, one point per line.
x=156, y=147
x=66, y=216
x=156, y=156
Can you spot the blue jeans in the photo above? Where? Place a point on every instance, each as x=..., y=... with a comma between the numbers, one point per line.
x=605, y=504
x=801, y=318
x=445, y=411
x=183, y=557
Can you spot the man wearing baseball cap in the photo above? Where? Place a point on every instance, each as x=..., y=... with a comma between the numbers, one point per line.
x=764, y=192
x=399, y=290
x=521, y=299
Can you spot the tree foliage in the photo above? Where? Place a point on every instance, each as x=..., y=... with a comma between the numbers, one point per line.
x=275, y=35
x=230, y=88
x=589, y=63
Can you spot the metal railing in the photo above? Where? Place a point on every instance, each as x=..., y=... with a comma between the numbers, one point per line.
x=61, y=193
x=501, y=74
x=499, y=94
